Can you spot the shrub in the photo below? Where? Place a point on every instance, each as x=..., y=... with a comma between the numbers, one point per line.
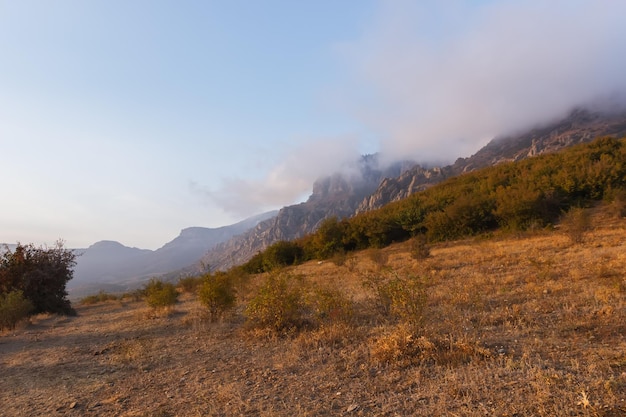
x=279, y=304
x=41, y=274
x=189, y=284
x=13, y=308
x=419, y=248
x=618, y=203
x=281, y=254
x=403, y=298
x=217, y=294
x=575, y=223
x=160, y=294
x=331, y=305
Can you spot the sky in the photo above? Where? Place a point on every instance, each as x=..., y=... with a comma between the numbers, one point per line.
x=132, y=120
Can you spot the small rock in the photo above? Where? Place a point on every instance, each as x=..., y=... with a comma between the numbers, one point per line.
x=73, y=405
x=352, y=407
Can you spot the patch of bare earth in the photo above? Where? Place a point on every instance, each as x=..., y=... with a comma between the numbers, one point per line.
x=526, y=326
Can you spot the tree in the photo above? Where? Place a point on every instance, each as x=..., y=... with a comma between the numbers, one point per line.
x=41, y=274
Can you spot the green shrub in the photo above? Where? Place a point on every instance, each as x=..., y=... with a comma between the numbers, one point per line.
x=160, y=294
x=217, y=294
x=279, y=304
x=13, y=308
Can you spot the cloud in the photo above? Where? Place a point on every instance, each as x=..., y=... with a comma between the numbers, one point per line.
x=289, y=181
x=433, y=81
x=436, y=80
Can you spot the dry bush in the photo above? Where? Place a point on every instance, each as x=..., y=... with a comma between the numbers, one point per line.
x=352, y=263
x=279, y=305
x=402, y=347
x=400, y=297
x=617, y=206
x=419, y=248
x=339, y=258
x=330, y=305
x=576, y=223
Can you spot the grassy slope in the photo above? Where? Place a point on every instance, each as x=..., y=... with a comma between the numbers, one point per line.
x=514, y=326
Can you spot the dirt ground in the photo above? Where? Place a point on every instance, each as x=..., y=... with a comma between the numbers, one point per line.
x=522, y=326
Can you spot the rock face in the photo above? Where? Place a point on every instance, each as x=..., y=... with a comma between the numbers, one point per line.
x=394, y=189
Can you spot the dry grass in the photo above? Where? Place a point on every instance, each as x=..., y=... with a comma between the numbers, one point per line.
x=531, y=325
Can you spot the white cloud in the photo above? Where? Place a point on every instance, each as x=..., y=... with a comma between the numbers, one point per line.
x=289, y=181
x=433, y=81
x=441, y=80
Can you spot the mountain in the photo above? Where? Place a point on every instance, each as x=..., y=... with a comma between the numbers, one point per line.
x=111, y=265
x=579, y=127
x=336, y=195
x=344, y=196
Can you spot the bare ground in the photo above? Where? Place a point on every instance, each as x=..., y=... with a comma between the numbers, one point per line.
x=525, y=326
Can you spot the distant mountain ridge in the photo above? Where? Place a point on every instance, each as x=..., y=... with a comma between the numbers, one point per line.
x=341, y=196
x=113, y=266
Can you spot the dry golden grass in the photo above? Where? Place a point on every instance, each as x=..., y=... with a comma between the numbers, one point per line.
x=531, y=325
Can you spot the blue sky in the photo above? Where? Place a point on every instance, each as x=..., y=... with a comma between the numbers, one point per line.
x=130, y=120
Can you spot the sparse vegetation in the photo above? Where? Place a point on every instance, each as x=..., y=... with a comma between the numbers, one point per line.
x=522, y=323
x=98, y=298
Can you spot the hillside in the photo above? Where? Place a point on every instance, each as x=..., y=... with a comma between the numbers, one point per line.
x=338, y=196
x=512, y=325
